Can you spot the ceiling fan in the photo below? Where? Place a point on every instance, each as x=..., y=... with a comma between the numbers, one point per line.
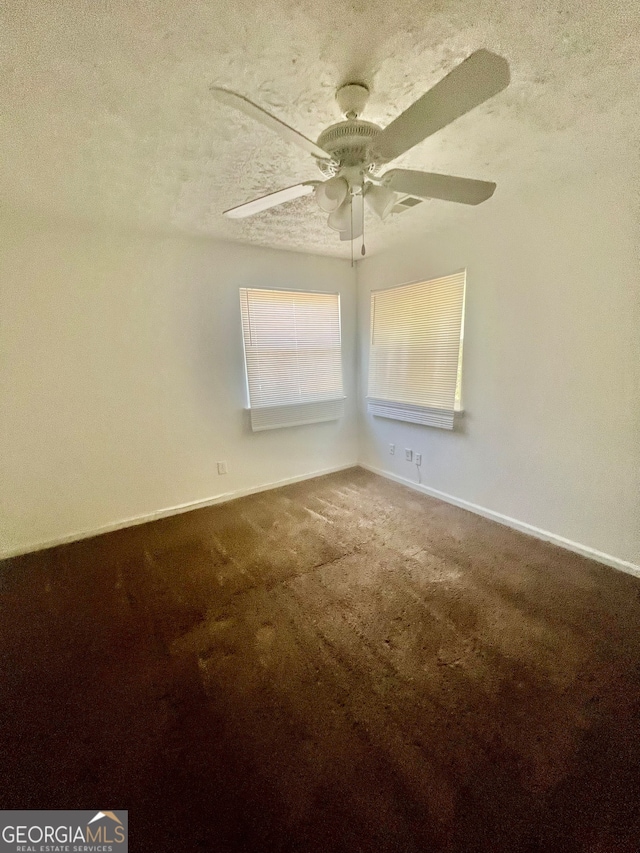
x=352, y=153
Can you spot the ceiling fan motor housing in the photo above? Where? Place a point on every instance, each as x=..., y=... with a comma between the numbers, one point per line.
x=350, y=144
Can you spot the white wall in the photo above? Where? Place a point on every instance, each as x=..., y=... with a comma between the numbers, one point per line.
x=122, y=380
x=551, y=382
x=122, y=377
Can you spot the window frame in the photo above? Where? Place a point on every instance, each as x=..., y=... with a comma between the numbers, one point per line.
x=417, y=412
x=291, y=413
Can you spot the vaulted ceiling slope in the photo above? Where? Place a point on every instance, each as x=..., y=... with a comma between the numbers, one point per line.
x=107, y=114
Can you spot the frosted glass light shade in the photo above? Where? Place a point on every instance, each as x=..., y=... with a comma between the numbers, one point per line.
x=331, y=194
x=340, y=219
x=380, y=200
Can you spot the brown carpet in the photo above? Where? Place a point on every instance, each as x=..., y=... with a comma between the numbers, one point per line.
x=338, y=665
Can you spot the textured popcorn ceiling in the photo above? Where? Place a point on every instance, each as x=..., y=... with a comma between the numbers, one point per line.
x=107, y=117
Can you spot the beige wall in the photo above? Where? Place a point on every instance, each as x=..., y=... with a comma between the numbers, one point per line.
x=551, y=382
x=122, y=377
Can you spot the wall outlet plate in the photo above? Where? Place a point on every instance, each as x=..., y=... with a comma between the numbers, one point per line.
x=222, y=467
x=392, y=449
x=418, y=458
x=408, y=453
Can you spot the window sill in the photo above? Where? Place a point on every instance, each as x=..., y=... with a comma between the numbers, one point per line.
x=423, y=415
x=296, y=414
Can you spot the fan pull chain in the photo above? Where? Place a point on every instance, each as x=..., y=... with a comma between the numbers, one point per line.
x=351, y=216
x=363, y=251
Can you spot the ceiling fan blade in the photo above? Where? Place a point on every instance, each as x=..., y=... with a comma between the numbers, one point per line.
x=478, y=78
x=446, y=187
x=239, y=102
x=270, y=200
x=356, y=228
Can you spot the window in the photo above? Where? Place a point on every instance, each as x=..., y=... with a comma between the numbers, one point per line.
x=415, y=360
x=293, y=356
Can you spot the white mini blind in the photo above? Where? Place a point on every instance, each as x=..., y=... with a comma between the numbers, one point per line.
x=293, y=356
x=416, y=349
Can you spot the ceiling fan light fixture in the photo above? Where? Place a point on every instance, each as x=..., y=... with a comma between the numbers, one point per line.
x=331, y=194
x=349, y=152
x=340, y=219
x=381, y=200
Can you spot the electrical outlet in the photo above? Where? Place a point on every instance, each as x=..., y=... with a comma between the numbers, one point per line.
x=408, y=453
x=392, y=449
x=222, y=467
x=418, y=458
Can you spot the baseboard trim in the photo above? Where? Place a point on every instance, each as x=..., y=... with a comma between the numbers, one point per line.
x=165, y=513
x=522, y=526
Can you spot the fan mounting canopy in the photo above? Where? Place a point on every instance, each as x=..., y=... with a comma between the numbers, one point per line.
x=352, y=99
